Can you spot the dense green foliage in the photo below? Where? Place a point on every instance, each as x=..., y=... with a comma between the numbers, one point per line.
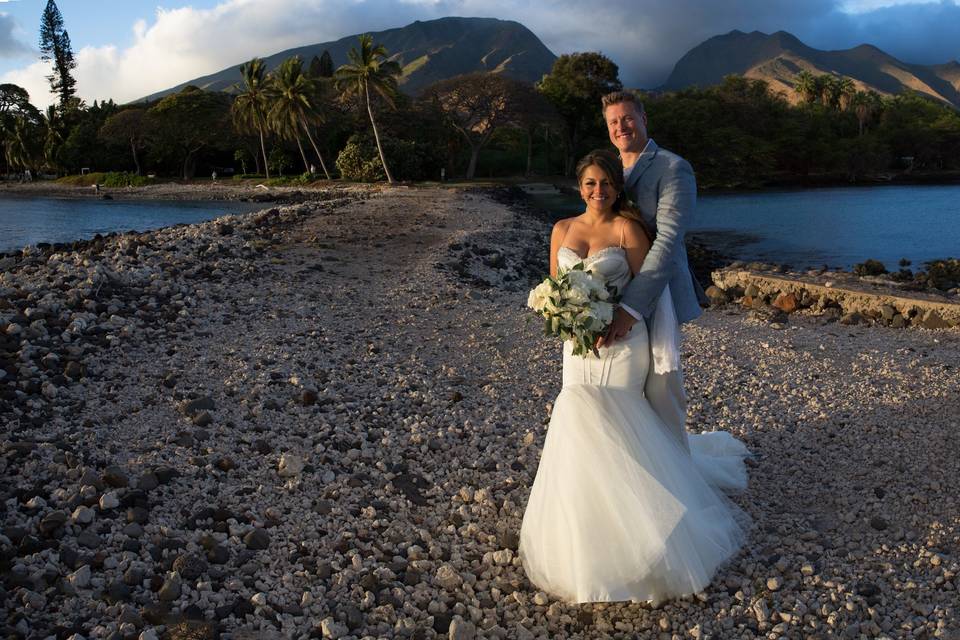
x=739, y=134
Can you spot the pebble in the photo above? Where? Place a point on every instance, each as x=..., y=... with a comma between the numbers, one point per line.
x=82, y=515
x=109, y=500
x=171, y=588
x=290, y=465
x=257, y=540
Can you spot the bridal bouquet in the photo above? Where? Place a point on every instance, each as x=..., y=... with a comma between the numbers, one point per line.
x=576, y=305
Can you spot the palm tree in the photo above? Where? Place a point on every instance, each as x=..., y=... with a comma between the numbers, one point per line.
x=865, y=104
x=846, y=90
x=250, y=107
x=291, y=109
x=829, y=90
x=20, y=145
x=52, y=137
x=369, y=69
x=806, y=85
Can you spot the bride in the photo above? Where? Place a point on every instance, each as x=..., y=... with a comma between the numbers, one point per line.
x=619, y=509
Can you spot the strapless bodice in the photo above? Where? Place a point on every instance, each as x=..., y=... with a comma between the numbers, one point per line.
x=609, y=262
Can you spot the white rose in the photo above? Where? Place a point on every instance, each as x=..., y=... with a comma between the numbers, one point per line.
x=539, y=296
x=603, y=312
x=578, y=294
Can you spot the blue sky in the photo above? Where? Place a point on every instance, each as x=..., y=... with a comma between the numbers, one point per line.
x=126, y=49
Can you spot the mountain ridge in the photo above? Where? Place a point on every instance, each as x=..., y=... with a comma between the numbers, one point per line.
x=427, y=51
x=778, y=57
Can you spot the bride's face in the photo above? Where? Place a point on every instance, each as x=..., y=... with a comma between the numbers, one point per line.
x=597, y=189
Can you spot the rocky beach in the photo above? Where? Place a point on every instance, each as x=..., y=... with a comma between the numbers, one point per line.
x=323, y=419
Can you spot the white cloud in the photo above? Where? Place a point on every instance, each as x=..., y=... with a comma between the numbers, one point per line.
x=863, y=6
x=184, y=43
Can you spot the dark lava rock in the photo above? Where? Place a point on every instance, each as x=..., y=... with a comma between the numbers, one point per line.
x=191, y=408
x=155, y=613
x=114, y=476
x=257, y=540
x=118, y=592
x=202, y=419
x=89, y=539
x=53, y=521
x=138, y=515
x=190, y=566
x=148, y=482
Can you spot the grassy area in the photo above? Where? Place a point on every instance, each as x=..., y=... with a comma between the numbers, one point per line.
x=108, y=179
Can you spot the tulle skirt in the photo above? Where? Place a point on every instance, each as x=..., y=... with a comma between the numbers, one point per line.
x=618, y=509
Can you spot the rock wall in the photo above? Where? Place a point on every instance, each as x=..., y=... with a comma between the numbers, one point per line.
x=846, y=299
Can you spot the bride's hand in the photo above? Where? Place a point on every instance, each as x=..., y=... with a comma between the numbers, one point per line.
x=619, y=327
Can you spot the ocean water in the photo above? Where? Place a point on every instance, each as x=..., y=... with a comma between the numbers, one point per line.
x=837, y=227
x=27, y=221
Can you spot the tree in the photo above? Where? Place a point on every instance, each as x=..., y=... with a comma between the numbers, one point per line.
x=475, y=105
x=864, y=104
x=291, y=108
x=807, y=86
x=532, y=112
x=52, y=138
x=249, y=109
x=574, y=86
x=55, y=47
x=321, y=67
x=847, y=89
x=13, y=99
x=21, y=150
x=368, y=70
x=127, y=127
x=183, y=124
x=829, y=90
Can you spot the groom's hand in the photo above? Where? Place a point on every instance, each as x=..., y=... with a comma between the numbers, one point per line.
x=619, y=327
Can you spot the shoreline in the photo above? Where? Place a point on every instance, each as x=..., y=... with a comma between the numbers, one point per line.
x=325, y=419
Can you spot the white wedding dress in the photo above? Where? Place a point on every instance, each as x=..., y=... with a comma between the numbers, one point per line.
x=619, y=510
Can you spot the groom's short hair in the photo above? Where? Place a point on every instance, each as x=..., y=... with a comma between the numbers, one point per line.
x=617, y=97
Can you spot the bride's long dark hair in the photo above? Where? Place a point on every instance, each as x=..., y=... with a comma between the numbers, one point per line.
x=610, y=165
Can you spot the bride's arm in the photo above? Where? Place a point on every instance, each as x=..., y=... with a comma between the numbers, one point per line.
x=556, y=238
x=635, y=244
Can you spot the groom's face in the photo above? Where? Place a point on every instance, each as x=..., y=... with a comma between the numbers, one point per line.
x=627, y=127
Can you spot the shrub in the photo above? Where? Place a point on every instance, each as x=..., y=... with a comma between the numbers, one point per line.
x=409, y=160
x=943, y=274
x=869, y=268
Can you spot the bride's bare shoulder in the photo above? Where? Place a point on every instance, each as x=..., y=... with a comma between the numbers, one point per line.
x=561, y=226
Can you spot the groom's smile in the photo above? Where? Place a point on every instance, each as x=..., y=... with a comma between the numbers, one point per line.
x=626, y=126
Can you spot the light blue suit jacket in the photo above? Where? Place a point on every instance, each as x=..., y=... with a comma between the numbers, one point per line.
x=663, y=187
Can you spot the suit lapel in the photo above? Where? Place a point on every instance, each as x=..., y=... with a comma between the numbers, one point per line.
x=641, y=166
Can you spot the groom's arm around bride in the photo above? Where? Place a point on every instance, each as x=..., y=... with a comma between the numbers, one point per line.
x=662, y=186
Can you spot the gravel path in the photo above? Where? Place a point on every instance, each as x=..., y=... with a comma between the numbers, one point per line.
x=324, y=420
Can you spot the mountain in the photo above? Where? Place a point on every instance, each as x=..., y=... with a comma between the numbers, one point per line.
x=427, y=51
x=778, y=57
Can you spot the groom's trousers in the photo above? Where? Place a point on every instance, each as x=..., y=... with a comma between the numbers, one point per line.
x=665, y=394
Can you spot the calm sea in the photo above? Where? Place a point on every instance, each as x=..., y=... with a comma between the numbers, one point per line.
x=838, y=227
x=26, y=221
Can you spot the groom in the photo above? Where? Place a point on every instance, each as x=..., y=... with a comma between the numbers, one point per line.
x=662, y=186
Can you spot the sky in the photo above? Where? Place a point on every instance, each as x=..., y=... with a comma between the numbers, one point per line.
x=126, y=49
